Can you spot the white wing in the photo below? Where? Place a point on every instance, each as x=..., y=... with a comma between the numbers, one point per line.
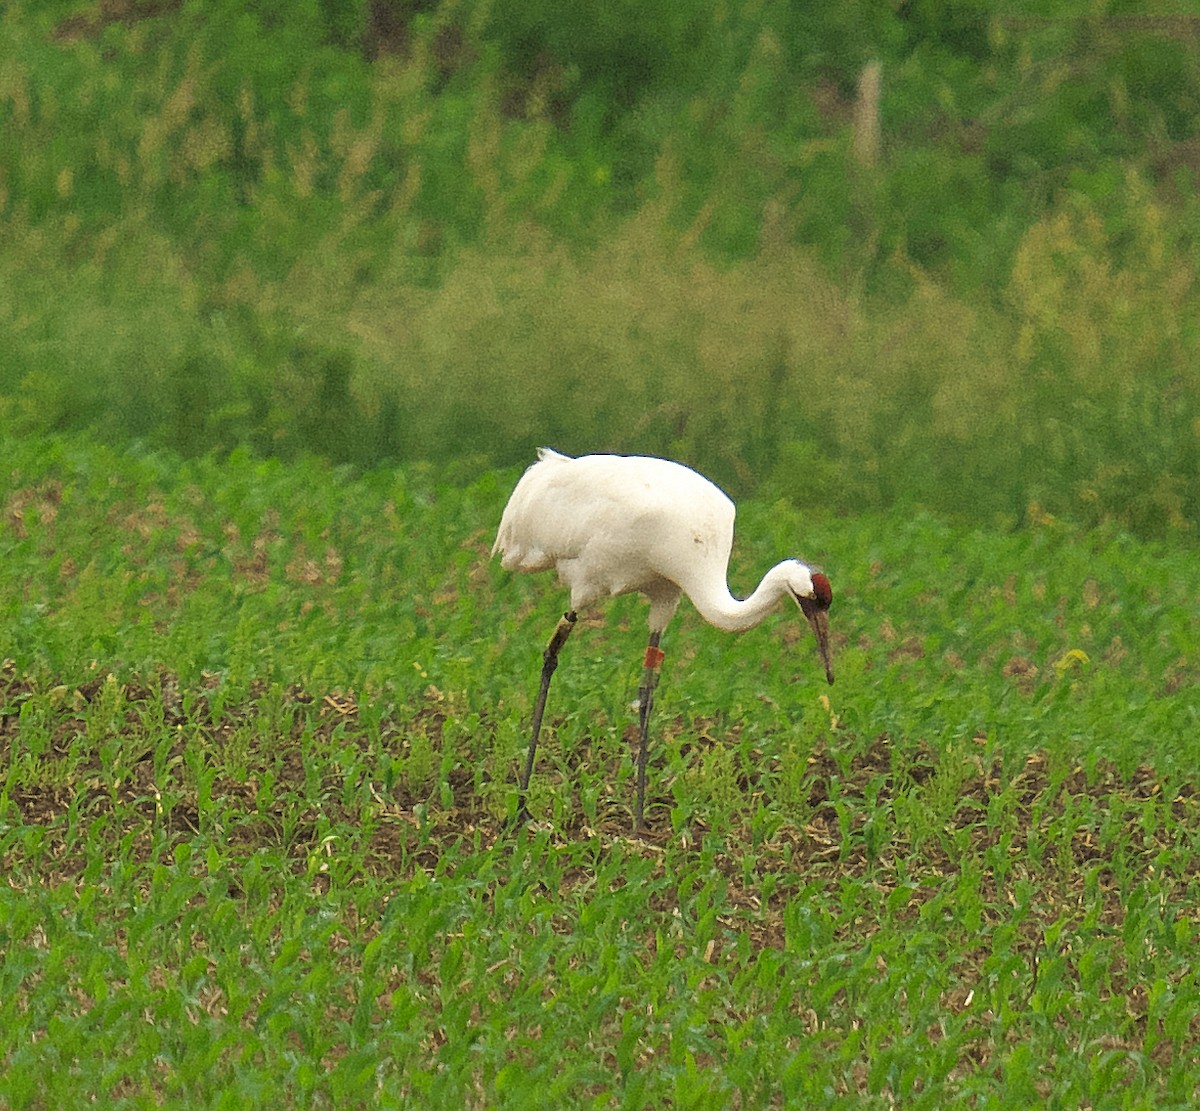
x=612, y=524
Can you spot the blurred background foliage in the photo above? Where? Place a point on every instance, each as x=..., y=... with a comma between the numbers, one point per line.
x=452, y=230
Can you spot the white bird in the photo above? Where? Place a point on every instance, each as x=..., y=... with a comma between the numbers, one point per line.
x=616, y=524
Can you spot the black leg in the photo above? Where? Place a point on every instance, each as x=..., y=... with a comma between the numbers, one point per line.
x=654, y=659
x=549, y=663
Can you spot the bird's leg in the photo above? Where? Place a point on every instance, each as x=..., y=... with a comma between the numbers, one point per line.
x=654, y=659
x=549, y=663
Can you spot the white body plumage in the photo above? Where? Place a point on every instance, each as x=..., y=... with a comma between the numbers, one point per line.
x=615, y=524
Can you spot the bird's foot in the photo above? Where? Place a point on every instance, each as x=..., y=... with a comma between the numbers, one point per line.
x=645, y=835
x=520, y=818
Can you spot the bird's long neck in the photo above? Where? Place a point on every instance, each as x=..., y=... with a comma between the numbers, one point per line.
x=720, y=608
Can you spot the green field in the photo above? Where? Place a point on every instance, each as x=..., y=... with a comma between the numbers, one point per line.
x=301, y=227
x=259, y=726
x=291, y=291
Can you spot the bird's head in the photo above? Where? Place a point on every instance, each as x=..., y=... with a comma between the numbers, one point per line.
x=814, y=596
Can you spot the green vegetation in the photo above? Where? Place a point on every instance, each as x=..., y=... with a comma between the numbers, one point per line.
x=292, y=288
x=376, y=230
x=258, y=732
